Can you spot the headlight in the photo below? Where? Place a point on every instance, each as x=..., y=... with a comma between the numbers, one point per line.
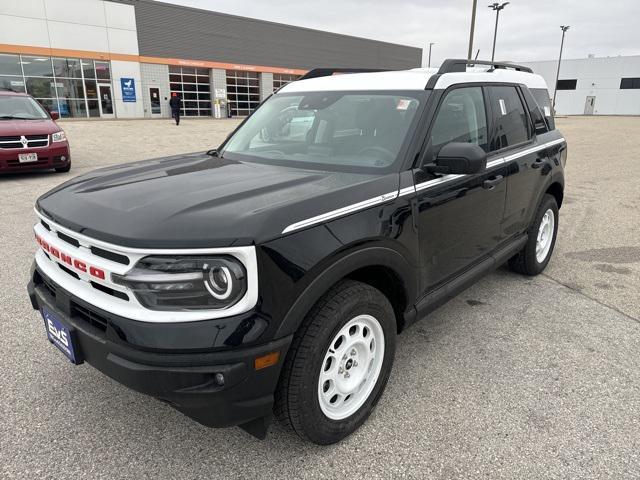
x=186, y=283
x=58, y=136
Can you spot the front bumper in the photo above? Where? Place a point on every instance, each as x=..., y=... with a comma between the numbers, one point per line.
x=48, y=158
x=186, y=381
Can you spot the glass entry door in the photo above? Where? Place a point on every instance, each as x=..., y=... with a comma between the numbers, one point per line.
x=106, y=101
x=154, y=99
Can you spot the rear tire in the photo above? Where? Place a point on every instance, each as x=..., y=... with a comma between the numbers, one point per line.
x=535, y=255
x=338, y=364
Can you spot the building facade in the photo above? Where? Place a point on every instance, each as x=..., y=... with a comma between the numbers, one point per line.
x=124, y=58
x=594, y=86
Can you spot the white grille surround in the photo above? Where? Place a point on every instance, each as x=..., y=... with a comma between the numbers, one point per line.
x=131, y=309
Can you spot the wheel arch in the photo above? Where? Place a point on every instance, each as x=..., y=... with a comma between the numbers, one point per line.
x=557, y=190
x=381, y=267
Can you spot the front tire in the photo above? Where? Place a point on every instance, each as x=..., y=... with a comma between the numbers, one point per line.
x=338, y=365
x=535, y=255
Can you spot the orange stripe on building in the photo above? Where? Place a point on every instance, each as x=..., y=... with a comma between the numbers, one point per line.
x=63, y=52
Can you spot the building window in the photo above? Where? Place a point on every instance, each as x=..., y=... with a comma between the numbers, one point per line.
x=192, y=84
x=281, y=79
x=243, y=92
x=567, y=84
x=630, y=83
x=65, y=85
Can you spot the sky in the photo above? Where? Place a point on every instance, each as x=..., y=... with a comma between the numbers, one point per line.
x=528, y=29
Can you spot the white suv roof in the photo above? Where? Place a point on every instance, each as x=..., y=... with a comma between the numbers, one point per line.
x=415, y=79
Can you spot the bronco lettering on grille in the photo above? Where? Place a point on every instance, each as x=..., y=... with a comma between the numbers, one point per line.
x=70, y=261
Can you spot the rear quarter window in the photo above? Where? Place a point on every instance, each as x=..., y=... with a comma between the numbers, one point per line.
x=541, y=95
x=540, y=125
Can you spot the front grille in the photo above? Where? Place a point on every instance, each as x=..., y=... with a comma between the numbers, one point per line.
x=68, y=239
x=110, y=291
x=18, y=141
x=92, y=318
x=114, y=257
x=68, y=271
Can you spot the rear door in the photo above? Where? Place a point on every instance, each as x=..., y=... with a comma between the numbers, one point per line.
x=513, y=146
x=458, y=216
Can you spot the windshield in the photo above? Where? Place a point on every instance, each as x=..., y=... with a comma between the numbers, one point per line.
x=345, y=131
x=20, y=108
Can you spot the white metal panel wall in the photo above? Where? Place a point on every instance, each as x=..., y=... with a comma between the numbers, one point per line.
x=74, y=36
x=122, y=41
x=23, y=8
x=598, y=77
x=94, y=25
x=82, y=12
x=22, y=30
x=120, y=16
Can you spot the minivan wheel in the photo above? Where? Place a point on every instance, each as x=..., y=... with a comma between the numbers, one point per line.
x=338, y=364
x=535, y=255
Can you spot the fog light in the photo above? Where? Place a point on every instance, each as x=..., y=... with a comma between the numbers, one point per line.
x=219, y=378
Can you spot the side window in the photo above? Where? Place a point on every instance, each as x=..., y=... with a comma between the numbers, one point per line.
x=539, y=122
x=511, y=124
x=544, y=102
x=461, y=118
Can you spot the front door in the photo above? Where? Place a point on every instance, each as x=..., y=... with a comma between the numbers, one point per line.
x=589, y=105
x=459, y=216
x=106, y=101
x=154, y=100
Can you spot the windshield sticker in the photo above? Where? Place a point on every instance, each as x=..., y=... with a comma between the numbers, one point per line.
x=403, y=104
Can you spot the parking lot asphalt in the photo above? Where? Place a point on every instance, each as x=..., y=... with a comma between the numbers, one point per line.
x=515, y=378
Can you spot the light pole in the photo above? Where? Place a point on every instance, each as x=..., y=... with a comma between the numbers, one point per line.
x=555, y=87
x=497, y=7
x=430, y=45
x=473, y=25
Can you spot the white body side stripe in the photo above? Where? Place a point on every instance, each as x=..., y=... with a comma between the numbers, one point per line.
x=380, y=199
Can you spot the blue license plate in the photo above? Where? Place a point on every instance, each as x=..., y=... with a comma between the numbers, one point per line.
x=59, y=334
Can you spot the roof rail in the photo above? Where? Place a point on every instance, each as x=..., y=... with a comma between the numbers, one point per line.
x=327, y=72
x=451, y=65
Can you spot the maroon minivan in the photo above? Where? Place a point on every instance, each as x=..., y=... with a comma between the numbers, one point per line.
x=30, y=139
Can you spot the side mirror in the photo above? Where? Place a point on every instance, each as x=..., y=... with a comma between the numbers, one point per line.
x=459, y=158
x=54, y=115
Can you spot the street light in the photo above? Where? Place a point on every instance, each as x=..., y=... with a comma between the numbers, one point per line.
x=497, y=7
x=555, y=87
x=430, y=45
x=473, y=25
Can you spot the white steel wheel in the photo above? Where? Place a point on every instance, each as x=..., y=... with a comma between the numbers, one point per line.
x=545, y=235
x=351, y=367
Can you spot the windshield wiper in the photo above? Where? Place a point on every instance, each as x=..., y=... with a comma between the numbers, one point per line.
x=214, y=153
x=12, y=117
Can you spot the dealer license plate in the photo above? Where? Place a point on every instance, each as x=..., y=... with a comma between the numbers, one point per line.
x=59, y=334
x=27, y=157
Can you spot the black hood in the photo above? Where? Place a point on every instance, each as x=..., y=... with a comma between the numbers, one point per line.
x=197, y=201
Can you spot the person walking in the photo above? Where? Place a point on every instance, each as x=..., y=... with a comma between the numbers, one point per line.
x=176, y=104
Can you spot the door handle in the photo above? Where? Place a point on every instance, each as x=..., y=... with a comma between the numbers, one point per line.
x=490, y=183
x=539, y=162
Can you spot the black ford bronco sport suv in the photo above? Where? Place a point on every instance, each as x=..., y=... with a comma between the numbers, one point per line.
x=271, y=276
